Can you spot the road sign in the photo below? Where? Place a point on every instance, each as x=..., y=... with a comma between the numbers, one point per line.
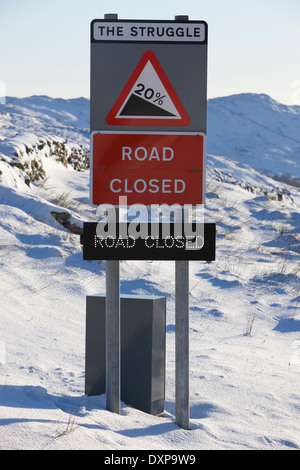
x=146, y=76
x=148, y=98
x=158, y=241
x=147, y=167
x=149, y=31
x=148, y=73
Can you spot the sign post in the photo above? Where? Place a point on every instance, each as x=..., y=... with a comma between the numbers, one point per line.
x=113, y=377
x=182, y=366
x=182, y=404
x=112, y=329
x=148, y=146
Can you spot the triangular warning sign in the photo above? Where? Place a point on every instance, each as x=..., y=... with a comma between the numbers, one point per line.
x=148, y=98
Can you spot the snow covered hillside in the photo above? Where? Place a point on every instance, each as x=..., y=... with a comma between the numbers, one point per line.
x=258, y=131
x=244, y=307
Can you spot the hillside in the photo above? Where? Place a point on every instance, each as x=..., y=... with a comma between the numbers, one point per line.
x=244, y=307
x=258, y=131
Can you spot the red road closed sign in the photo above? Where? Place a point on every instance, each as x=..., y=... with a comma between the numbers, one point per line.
x=148, y=167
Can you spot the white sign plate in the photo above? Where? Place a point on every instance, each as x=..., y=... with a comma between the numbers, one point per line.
x=149, y=31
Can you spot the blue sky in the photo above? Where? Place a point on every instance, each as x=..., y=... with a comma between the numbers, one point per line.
x=253, y=45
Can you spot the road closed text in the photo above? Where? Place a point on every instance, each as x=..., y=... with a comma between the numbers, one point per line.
x=151, y=186
x=140, y=154
x=136, y=240
x=148, y=168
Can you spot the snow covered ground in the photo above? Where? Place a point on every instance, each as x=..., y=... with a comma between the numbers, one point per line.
x=244, y=307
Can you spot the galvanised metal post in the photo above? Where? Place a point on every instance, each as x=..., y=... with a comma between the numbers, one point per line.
x=113, y=379
x=113, y=334
x=182, y=394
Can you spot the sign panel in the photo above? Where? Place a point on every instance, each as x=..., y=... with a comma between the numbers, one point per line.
x=148, y=98
x=169, y=61
x=148, y=167
x=149, y=31
x=148, y=76
x=158, y=241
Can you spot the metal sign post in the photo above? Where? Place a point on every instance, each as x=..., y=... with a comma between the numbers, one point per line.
x=182, y=393
x=182, y=405
x=113, y=323
x=113, y=336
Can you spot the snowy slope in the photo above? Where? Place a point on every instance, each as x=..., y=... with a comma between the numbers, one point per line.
x=244, y=308
x=258, y=131
x=58, y=111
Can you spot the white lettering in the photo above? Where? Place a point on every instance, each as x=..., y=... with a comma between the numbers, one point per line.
x=154, y=154
x=111, y=185
x=167, y=158
x=144, y=186
x=126, y=152
x=177, y=189
x=115, y=460
x=120, y=242
x=194, y=243
x=152, y=186
x=169, y=238
x=144, y=155
x=165, y=154
x=147, y=241
x=136, y=231
x=166, y=186
x=126, y=188
x=132, y=241
x=111, y=243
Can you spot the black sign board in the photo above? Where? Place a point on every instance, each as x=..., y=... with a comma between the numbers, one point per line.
x=149, y=241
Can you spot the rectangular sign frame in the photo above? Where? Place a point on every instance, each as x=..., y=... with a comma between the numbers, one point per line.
x=150, y=31
x=152, y=245
x=184, y=62
x=193, y=166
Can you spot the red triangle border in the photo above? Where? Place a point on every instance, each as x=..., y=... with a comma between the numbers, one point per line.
x=184, y=119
